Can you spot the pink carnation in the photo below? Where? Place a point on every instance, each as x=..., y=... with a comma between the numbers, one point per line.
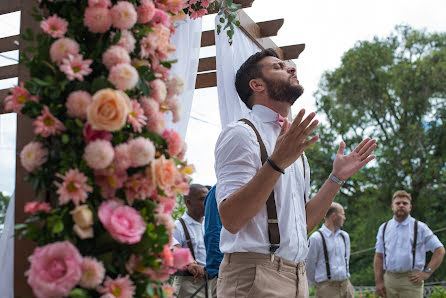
x=97, y=19
x=198, y=13
x=182, y=257
x=34, y=207
x=158, y=91
x=99, y=154
x=55, y=269
x=147, y=46
x=110, y=180
x=115, y=55
x=47, y=125
x=133, y=263
x=175, y=85
x=162, y=274
x=166, y=220
x=77, y=103
x=74, y=187
x=141, y=151
x=165, y=205
x=169, y=290
x=155, y=119
x=173, y=6
x=138, y=187
x=99, y=3
x=54, y=26
x=175, y=106
x=75, y=67
x=174, y=142
x=123, y=76
x=61, y=48
x=206, y=3
x=121, y=287
x=136, y=117
x=146, y=11
x=124, y=223
x=33, y=155
x=124, y=15
x=90, y=134
x=159, y=41
x=93, y=273
x=161, y=17
x=19, y=96
x=127, y=41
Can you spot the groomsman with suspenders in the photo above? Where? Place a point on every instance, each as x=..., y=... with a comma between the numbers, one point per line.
x=188, y=233
x=328, y=257
x=401, y=246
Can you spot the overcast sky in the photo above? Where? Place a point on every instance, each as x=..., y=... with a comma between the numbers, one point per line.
x=328, y=28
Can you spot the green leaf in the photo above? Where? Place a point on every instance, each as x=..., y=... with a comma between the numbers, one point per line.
x=41, y=82
x=78, y=122
x=150, y=290
x=65, y=139
x=58, y=227
x=100, y=83
x=79, y=293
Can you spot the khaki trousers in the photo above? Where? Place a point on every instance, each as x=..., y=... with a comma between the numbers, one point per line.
x=335, y=289
x=398, y=285
x=254, y=275
x=187, y=285
x=212, y=283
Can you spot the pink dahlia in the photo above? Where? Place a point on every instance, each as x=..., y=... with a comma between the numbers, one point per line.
x=93, y=273
x=99, y=3
x=99, y=154
x=124, y=223
x=61, y=48
x=34, y=207
x=122, y=158
x=123, y=76
x=127, y=41
x=90, y=134
x=74, y=187
x=33, y=155
x=75, y=67
x=124, y=15
x=77, y=103
x=146, y=11
x=54, y=26
x=141, y=151
x=115, y=55
x=158, y=91
x=47, y=125
x=19, y=95
x=121, y=287
x=174, y=142
x=97, y=19
x=136, y=117
x=55, y=269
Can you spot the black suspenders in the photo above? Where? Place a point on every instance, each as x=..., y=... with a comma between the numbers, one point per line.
x=414, y=244
x=327, y=263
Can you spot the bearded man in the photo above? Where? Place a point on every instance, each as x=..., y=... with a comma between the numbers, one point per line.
x=401, y=246
x=261, y=159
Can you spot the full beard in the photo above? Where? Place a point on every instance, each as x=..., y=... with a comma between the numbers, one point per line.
x=284, y=91
x=401, y=214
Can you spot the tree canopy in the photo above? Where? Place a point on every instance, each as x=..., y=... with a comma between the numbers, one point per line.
x=394, y=90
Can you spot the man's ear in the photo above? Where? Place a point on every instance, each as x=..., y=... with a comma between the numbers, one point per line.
x=257, y=85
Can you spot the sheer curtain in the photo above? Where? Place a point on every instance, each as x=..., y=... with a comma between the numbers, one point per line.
x=7, y=253
x=229, y=59
x=187, y=40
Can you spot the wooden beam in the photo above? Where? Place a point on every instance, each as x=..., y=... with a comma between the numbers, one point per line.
x=244, y=3
x=267, y=29
x=10, y=71
x=293, y=51
x=7, y=6
x=206, y=64
x=9, y=43
x=205, y=80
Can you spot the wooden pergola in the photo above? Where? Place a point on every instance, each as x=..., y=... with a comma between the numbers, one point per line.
x=259, y=33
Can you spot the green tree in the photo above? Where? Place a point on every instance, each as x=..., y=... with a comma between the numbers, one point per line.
x=4, y=201
x=394, y=90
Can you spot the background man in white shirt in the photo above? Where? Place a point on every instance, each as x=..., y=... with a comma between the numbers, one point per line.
x=404, y=267
x=252, y=265
x=327, y=266
x=192, y=278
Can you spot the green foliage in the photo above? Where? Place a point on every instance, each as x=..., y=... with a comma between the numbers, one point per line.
x=394, y=90
x=227, y=11
x=4, y=202
x=439, y=292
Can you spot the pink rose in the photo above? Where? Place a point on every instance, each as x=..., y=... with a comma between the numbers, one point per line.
x=181, y=257
x=34, y=207
x=163, y=172
x=55, y=269
x=124, y=223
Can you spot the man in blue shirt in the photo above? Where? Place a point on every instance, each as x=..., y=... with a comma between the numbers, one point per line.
x=212, y=227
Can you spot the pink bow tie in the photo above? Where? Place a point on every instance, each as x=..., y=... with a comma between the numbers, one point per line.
x=280, y=120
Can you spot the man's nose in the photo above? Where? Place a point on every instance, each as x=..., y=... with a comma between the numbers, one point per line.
x=291, y=69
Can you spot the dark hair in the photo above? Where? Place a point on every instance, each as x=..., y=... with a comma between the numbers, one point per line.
x=249, y=70
x=333, y=208
x=193, y=188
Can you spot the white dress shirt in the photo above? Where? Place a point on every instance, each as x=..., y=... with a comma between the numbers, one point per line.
x=399, y=238
x=316, y=269
x=196, y=232
x=237, y=160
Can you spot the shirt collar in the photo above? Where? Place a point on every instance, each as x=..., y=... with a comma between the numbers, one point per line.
x=328, y=232
x=264, y=113
x=190, y=220
x=404, y=222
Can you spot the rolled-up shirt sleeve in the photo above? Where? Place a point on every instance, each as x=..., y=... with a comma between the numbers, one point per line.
x=379, y=247
x=237, y=159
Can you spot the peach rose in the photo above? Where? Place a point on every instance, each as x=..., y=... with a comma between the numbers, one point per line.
x=109, y=110
x=163, y=172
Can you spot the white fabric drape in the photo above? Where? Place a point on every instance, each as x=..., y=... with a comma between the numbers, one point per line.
x=7, y=253
x=229, y=60
x=187, y=40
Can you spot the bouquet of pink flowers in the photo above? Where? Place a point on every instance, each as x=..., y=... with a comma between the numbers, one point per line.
x=108, y=169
